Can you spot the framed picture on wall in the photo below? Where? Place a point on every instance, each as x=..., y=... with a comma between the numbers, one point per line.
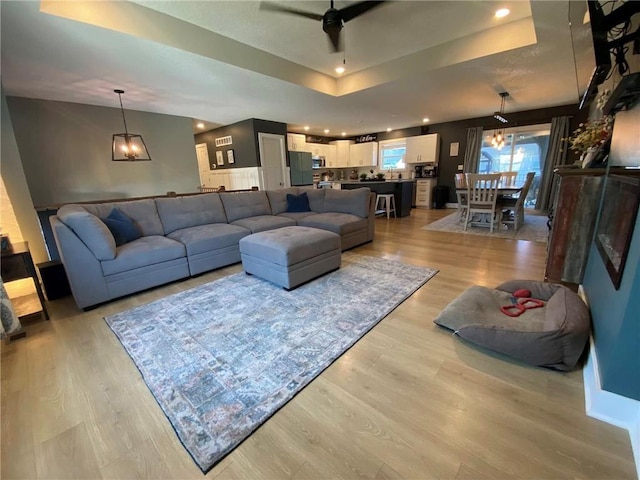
x=219, y=157
x=230, y=158
x=617, y=220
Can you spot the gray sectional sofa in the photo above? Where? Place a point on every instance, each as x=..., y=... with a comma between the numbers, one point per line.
x=188, y=235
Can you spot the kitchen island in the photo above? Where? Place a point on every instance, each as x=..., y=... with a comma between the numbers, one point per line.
x=402, y=191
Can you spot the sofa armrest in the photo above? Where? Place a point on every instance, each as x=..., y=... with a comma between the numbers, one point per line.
x=372, y=216
x=83, y=269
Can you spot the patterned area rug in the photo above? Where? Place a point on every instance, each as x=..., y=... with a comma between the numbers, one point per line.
x=223, y=357
x=534, y=228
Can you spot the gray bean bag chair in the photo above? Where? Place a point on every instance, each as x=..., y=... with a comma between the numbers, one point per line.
x=553, y=336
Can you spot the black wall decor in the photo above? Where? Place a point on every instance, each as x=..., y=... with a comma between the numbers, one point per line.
x=370, y=137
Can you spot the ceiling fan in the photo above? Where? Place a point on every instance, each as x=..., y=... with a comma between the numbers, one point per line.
x=332, y=20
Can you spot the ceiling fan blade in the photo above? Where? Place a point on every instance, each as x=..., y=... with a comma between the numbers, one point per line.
x=357, y=9
x=334, y=40
x=275, y=7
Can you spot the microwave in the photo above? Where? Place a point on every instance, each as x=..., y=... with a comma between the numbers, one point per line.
x=318, y=162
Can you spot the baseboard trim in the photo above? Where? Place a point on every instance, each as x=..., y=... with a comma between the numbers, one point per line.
x=615, y=409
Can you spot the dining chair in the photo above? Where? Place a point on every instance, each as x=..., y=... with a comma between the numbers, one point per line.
x=482, y=194
x=461, y=182
x=508, y=179
x=513, y=208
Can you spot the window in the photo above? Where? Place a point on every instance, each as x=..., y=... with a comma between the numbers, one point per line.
x=525, y=149
x=392, y=154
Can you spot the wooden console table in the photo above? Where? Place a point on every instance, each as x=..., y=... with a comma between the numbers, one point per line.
x=17, y=264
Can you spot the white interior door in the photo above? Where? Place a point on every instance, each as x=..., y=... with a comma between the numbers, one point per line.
x=203, y=164
x=274, y=161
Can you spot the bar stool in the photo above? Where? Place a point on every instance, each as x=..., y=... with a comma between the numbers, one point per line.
x=387, y=205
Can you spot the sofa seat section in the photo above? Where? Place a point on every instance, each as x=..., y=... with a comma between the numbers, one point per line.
x=260, y=223
x=297, y=216
x=142, y=252
x=210, y=246
x=353, y=230
x=340, y=223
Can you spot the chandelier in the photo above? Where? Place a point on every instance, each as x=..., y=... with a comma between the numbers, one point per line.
x=498, y=135
x=128, y=147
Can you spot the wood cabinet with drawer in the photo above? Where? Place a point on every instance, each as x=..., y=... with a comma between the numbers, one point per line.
x=424, y=192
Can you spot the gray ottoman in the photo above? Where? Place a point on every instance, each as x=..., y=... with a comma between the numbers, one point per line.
x=290, y=256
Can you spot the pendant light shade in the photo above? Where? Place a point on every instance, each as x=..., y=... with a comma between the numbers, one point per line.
x=128, y=147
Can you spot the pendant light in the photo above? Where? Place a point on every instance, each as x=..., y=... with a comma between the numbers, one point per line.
x=498, y=135
x=128, y=147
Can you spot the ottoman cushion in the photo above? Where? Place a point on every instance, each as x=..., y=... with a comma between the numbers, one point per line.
x=290, y=256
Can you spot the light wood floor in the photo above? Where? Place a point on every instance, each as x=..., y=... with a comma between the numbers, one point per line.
x=409, y=400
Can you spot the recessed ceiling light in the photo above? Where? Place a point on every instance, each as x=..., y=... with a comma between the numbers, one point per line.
x=340, y=70
x=389, y=129
x=200, y=125
x=344, y=134
x=306, y=128
x=503, y=12
x=425, y=120
x=326, y=130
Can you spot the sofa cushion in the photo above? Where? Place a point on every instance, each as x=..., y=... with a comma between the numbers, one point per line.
x=245, y=204
x=183, y=212
x=278, y=199
x=297, y=216
x=355, y=202
x=144, y=251
x=123, y=229
x=90, y=229
x=298, y=203
x=316, y=199
x=341, y=223
x=264, y=222
x=206, y=238
x=143, y=212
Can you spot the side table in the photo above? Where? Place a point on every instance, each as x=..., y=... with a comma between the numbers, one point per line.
x=17, y=264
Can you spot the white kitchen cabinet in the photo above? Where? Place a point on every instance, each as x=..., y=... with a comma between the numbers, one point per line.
x=342, y=152
x=422, y=149
x=330, y=156
x=296, y=142
x=363, y=154
x=424, y=192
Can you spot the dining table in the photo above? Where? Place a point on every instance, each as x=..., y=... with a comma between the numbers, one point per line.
x=482, y=219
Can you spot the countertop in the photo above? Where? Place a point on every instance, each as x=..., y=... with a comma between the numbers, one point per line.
x=377, y=181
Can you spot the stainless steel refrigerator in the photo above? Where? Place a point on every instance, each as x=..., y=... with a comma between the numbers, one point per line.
x=301, y=168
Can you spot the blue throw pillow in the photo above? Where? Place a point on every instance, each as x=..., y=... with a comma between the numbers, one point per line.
x=122, y=227
x=298, y=203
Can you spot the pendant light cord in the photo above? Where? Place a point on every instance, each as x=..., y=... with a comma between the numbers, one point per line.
x=122, y=110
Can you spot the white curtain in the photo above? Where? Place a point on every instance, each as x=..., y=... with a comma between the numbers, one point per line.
x=474, y=147
x=556, y=156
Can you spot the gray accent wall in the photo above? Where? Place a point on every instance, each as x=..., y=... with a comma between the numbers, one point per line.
x=65, y=150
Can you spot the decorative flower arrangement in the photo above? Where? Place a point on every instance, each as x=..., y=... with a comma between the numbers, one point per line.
x=591, y=134
x=595, y=132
